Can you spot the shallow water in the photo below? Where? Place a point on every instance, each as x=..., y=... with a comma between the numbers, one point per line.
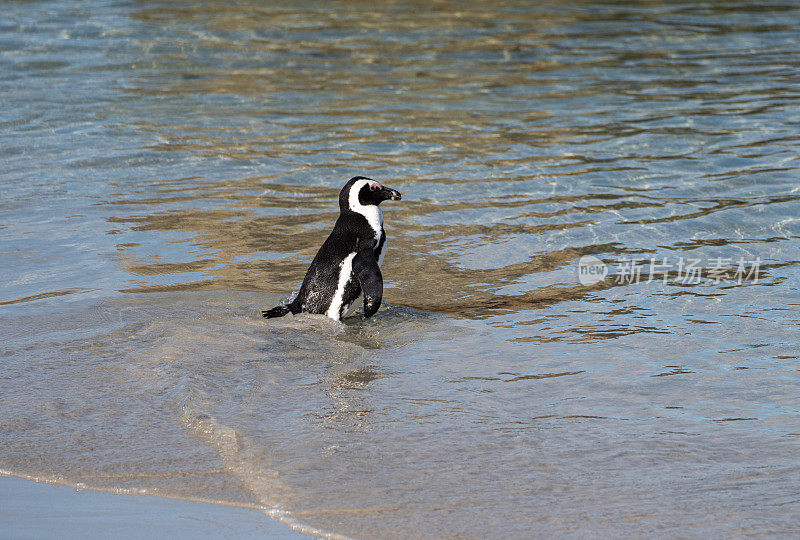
x=168, y=170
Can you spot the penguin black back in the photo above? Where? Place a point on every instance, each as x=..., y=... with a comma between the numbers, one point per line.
x=347, y=265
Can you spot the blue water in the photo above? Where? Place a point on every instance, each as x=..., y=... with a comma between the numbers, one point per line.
x=168, y=170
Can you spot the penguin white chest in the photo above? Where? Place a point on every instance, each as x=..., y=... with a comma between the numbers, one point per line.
x=380, y=251
x=374, y=217
x=345, y=272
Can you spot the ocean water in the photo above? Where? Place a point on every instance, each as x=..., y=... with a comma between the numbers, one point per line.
x=168, y=169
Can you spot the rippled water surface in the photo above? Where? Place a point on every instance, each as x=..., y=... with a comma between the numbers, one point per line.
x=169, y=169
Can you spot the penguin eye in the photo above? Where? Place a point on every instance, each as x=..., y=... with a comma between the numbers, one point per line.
x=374, y=187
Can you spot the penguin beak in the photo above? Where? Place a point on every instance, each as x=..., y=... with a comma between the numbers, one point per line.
x=390, y=194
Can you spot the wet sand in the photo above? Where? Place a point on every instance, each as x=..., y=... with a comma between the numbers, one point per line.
x=37, y=510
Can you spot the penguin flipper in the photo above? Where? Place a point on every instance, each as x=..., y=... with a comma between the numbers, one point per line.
x=277, y=311
x=370, y=278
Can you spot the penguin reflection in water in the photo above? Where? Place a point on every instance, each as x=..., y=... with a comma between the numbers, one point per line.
x=347, y=265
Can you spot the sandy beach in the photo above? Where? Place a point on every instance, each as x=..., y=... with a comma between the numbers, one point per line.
x=37, y=510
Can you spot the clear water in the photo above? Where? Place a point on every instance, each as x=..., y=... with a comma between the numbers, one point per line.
x=169, y=169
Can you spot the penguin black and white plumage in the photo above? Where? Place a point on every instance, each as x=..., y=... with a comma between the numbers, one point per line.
x=347, y=265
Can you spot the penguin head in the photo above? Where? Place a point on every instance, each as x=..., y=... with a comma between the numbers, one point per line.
x=361, y=191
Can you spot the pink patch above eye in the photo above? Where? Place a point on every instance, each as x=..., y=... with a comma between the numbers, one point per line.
x=374, y=185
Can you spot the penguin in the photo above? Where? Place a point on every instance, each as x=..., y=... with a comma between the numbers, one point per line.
x=347, y=266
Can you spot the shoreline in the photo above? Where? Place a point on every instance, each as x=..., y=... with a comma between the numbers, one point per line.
x=33, y=508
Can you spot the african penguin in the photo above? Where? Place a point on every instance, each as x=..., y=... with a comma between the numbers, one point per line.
x=347, y=265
